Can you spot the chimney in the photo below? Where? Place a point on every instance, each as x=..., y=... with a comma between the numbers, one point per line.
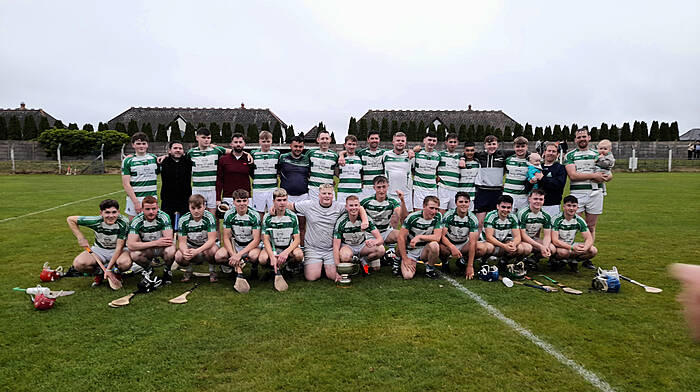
x=242, y=105
x=470, y=107
x=22, y=106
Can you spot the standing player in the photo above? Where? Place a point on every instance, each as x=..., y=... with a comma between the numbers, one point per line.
x=564, y=232
x=293, y=168
x=151, y=236
x=461, y=235
x=448, y=173
x=197, y=241
x=350, y=240
x=385, y=212
x=552, y=180
x=350, y=173
x=323, y=162
x=467, y=174
x=205, y=160
x=425, y=170
x=265, y=174
x=281, y=238
x=533, y=222
x=423, y=231
x=111, y=231
x=241, y=237
x=176, y=177
x=502, y=233
x=372, y=163
x=580, y=166
x=139, y=175
x=516, y=174
x=233, y=171
x=397, y=168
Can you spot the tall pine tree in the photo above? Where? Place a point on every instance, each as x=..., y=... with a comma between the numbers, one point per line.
x=557, y=134
x=643, y=131
x=227, y=133
x=594, y=134
x=547, y=135
x=664, y=132
x=161, y=134
x=289, y=133
x=480, y=132
x=673, y=131
x=538, y=133
x=471, y=133
x=58, y=124
x=29, y=131
x=604, y=132
x=362, y=131
x=374, y=125
x=131, y=129
x=385, y=132
x=14, y=129
x=101, y=127
x=216, y=134
x=73, y=126
x=189, y=135
x=614, y=133
x=625, y=132
x=394, y=129
x=420, y=132
x=565, y=133
x=517, y=130
x=3, y=129
x=527, y=132
x=411, y=131
x=333, y=138
x=507, y=134
x=276, y=132
x=654, y=133
x=119, y=127
x=148, y=130
x=88, y=127
x=252, y=133
x=175, y=132
x=462, y=133
x=352, y=127
x=43, y=124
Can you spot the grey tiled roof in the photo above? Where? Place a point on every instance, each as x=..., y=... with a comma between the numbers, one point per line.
x=22, y=113
x=693, y=134
x=495, y=118
x=310, y=136
x=195, y=116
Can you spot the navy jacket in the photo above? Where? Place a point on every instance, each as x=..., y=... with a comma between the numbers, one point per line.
x=552, y=183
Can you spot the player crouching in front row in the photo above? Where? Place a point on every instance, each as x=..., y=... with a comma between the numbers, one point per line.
x=423, y=230
x=349, y=240
x=564, y=233
x=503, y=235
x=460, y=236
x=151, y=236
x=197, y=242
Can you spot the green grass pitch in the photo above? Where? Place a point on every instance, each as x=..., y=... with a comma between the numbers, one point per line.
x=380, y=334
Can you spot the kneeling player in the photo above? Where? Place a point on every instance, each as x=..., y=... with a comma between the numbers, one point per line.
x=564, y=234
x=385, y=212
x=197, y=242
x=349, y=240
x=423, y=230
x=151, y=236
x=533, y=221
x=111, y=231
x=502, y=233
x=280, y=233
x=461, y=235
x=241, y=236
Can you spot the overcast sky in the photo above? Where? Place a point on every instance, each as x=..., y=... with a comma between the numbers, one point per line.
x=542, y=62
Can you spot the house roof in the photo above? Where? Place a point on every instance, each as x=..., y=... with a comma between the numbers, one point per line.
x=310, y=136
x=693, y=134
x=495, y=118
x=195, y=116
x=22, y=112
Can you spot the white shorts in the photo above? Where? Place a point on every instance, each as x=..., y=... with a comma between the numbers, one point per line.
x=519, y=202
x=419, y=194
x=386, y=232
x=262, y=200
x=356, y=249
x=460, y=245
x=105, y=255
x=340, y=198
x=239, y=248
x=447, y=198
x=407, y=198
x=367, y=191
x=316, y=256
x=414, y=253
x=591, y=203
x=209, y=197
x=296, y=199
x=130, y=209
x=553, y=211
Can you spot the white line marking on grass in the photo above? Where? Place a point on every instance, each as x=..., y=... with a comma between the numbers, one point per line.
x=586, y=374
x=57, y=207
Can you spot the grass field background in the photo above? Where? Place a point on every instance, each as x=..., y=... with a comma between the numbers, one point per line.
x=383, y=333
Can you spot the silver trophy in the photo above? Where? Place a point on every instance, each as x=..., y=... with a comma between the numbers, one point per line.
x=345, y=270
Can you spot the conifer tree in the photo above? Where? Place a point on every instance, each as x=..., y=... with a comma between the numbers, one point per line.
x=664, y=132
x=289, y=133
x=539, y=134
x=594, y=134
x=43, y=124
x=148, y=131
x=507, y=134
x=462, y=133
x=119, y=127
x=362, y=131
x=14, y=129
x=3, y=128
x=276, y=132
x=385, y=132
x=252, y=133
x=547, y=135
x=333, y=138
x=216, y=134
x=673, y=131
x=73, y=126
x=603, y=133
x=643, y=131
x=614, y=133
x=565, y=133
x=411, y=132
x=625, y=132
x=471, y=133
x=527, y=132
x=58, y=124
x=175, y=132
x=517, y=130
x=352, y=127
x=654, y=131
x=29, y=130
x=161, y=134
x=101, y=127
x=189, y=135
x=131, y=129
x=374, y=125
x=88, y=127
x=227, y=133
x=557, y=134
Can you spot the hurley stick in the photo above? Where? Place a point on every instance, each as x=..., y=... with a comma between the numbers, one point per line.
x=114, y=283
x=563, y=287
x=182, y=298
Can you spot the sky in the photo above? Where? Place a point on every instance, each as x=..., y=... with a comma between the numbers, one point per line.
x=540, y=62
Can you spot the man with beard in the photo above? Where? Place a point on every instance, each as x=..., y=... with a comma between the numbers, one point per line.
x=294, y=168
x=372, y=164
x=234, y=171
x=551, y=180
x=176, y=178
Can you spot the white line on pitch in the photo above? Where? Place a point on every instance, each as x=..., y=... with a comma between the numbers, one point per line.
x=57, y=207
x=586, y=374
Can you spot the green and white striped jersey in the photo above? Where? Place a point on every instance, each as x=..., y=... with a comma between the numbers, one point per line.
x=144, y=174
x=567, y=228
x=322, y=167
x=417, y=225
x=150, y=230
x=350, y=175
x=466, y=178
x=397, y=168
x=532, y=223
x=380, y=211
x=242, y=226
x=265, y=174
x=204, y=164
x=197, y=232
x=458, y=228
x=281, y=229
x=106, y=236
x=585, y=164
x=448, y=169
x=502, y=228
x=516, y=176
x=351, y=233
x=372, y=164
x=425, y=169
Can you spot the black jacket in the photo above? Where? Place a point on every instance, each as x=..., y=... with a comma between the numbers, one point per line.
x=552, y=183
x=176, y=177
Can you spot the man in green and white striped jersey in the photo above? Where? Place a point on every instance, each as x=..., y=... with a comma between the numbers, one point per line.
x=205, y=161
x=323, y=162
x=448, y=173
x=467, y=174
x=564, y=232
x=397, y=168
x=349, y=240
x=150, y=236
x=111, y=231
x=461, y=237
x=280, y=233
x=372, y=164
x=349, y=174
x=139, y=174
x=265, y=173
x=241, y=236
x=385, y=212
x=580, y=166
x=502, y=232
x=197, y=238
x=535, y=222
x=516, y=174
x=425, y=171
x=419, y=239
